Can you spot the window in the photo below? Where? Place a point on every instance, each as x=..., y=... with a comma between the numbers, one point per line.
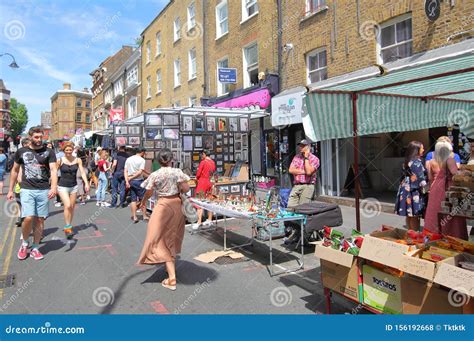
x=249, y=9
x=148, y=52
x=158, y=44
x=177, y=104
x=192, y=100
x=78, y=117
x=78, y=102
x=222, y=88
x=192, y=64
x=118, y=88
x=88, y=118
x=108, y=96
x=158, y=81
x=250, y=65
x=177, y=29
x=395, y=40
x=316, y=66
x=177, y=73
x=148, y=87
x=222, y=26
x=132, y=107
x=88, y=104
x=191, y=16
x=313, y=6
x=132, y=76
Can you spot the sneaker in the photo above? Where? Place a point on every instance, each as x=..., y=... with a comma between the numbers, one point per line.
x=23, y=252
x=208, y=223
x=36, y=254
x=105, y=204
x=195, y=226
x=98, y=203
x=88, y=197
x=82, y=203
x=58, y=204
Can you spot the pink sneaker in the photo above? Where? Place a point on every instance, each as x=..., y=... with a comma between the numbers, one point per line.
x=23, y=252
x=36, y=254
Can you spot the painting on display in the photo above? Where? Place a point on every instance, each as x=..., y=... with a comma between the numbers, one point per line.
x=199, y=123
x=208, y=142
x=244, y=140
x=170, y=120
x=244, y=124
x=197, y=141
x=211, y=124
x=134, y=140
x=187, y=143
x=120, y=141
x=171, y=134
x=187, y=123
x=121, y=130
x=153, y=120
x=134, y=130
x=233, y=126
x=222, y=124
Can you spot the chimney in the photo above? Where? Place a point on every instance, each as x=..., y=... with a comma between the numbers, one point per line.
x=67, y=86
x=86, y=90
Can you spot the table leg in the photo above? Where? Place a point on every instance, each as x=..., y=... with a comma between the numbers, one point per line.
x=327, y=294
x=271, y=250
x=225, y=233
x=302, y=243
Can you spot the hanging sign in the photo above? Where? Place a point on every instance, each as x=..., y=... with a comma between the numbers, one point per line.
x=432, y=9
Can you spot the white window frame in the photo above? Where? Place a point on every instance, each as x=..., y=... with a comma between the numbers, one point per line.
x=191, y=17
x=177, y=72
x=246, y=71
x=148, y=52
x=148, y=87
x=192, y=64
x=388, y=23
x=192, y=100
x=176, y=29
x=132, y=111
x=312, y=54
x=246, y=4
x=309, y=10
x=118, y=87
x=132, y=76
x=219, y=32
x=158, y=44
x=158, y=81
x=222, y=88
x=108, y=96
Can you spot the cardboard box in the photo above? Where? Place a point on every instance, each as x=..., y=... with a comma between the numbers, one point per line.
x=333, y=255
x=384, y=251
x=423, y=297
x=454, y=277
x=413, y=264
x=341, y=279
x=382, y=291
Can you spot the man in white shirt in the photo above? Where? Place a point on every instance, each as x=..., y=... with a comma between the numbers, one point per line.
x=134, y=171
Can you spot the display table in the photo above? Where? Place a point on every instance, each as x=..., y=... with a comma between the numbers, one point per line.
x=267, y=221
x=228, y=186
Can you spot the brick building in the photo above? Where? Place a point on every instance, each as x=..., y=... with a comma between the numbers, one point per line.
x=5, y=122
x=71, y=110
x=46, y=118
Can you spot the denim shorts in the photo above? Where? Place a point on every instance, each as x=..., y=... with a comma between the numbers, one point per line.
x=68, y=190
x=34, y=202
x=2, y=174
x=136, y=191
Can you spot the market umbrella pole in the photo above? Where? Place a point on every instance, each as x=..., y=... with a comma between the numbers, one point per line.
x=356, y=160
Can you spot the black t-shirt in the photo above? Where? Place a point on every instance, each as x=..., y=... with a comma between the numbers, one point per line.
x=35, y=167
x=121, y=157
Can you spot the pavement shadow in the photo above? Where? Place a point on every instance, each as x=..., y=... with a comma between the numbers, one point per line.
x=48, y=231
x=57, y=244
x=187, y=273
x=85, y=227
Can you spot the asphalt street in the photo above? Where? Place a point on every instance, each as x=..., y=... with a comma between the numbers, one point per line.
x=96, y=272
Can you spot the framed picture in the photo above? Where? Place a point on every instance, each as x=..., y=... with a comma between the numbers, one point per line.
x=231, y=149
x=244, y=155
x=196, y=156
x=171, y=120
x=218, y=143
x=212, y=156
x=150, y=155
x=171, y=133
x=219, y=169
x=235, y=189
x=219, y=157
x=219, y=137
x=149, y=144
x=153, y=134
x=120, y=141
x=219, y=162
x=160, y=144
x=231, y=140
x=222, y=124
x=238, y=146
x=187, y=123
x=237, y=156
x=245, y=140
x=244, y=124
x=226, y=157
x=198, y=141
x=199, y=124
x=233, y=125
x=121, y=130
x=224, y=189
x=237, y=137
x=175, y=144
x=153, y=119
x=187, y=143
x=134, y=130
x=218, y=149
x=208, y=142
x=226, y=149
x=134, y=140
x=175, y=156
x=226, y=140
x=195, y=165
x=187, y=161
x=211, y=124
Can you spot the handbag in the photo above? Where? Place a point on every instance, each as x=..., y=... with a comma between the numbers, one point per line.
x=188, y=208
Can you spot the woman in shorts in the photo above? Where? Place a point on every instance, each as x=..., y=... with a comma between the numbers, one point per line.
x=67, y=185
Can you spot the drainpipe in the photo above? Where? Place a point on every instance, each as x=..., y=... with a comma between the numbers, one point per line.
x=204, y=48
x=279, y=61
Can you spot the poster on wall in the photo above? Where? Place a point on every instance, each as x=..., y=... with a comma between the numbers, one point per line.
x=197, y=141
x=170, y=120
x=233, y=125
x=134, y=140
x=208, y=142
x=121, y=130
x=153, y=133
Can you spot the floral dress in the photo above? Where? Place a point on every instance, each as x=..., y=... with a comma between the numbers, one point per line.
x=411, y=201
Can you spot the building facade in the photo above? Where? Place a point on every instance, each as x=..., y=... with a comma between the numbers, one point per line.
x=71, y=111
x=46, y=118
x=5, y=120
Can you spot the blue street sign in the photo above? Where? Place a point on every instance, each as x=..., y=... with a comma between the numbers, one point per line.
x=227, y=75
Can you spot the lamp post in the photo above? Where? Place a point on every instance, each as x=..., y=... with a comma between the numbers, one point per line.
x=13, y=64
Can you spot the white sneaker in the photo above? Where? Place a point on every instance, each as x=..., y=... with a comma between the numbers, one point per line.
x=105, y=204
x=88, y=197
x=195, y=226
x=98, y=203
x=208, y=223
x=58, y=204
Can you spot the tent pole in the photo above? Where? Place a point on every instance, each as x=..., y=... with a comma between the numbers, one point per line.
x=356, y=160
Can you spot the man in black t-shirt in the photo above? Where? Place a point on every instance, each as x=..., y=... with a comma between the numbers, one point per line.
x=118, y=179
x=38, y=165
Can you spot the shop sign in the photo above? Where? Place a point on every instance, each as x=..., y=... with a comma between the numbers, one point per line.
x=432, y=9
x=116, y=115
x=259, y=99
x=227, y=75
x=286, y=109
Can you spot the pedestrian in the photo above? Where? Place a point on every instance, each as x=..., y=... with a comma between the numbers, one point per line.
x=456, y=156
x=25, y=143
x=118, y=178
x=411, y=201
x=165, y=230
x=471, y=158
x=206, y=169
x=3, y=168
x=440, y=174
x=39, y=168
x=93, y=169
x=69, y=165
x=133, y=171
x=103, y=166
x=82, y=186
x=59, y=155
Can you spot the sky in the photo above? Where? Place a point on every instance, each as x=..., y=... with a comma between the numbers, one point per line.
x=62, y=41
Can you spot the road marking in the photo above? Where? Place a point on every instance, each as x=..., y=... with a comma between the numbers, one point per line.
x=109, y=248
x=98, y=234
x=5, y=238
x=6, y=263
x=159, y=308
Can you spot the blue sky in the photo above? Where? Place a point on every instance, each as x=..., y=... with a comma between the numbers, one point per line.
x=63, y=41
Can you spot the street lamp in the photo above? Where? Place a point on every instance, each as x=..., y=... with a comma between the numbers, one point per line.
x=13, y=64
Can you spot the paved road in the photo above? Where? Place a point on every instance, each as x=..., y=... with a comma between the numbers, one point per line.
x=95, y=273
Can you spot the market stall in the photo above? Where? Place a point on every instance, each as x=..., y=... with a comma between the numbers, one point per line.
x=128, y=132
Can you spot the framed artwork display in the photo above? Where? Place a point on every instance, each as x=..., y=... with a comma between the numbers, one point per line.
x=199, y=124
x=187, y=123
x=160, y=144
x=121, y=130
x=120, y=141
x=231, y=140
x=134, y=130
x=134, y=140
x=187, y=143
x=149, y=144
x=235, y=189
x=171, y=133
x=150, y=155
x=171, y=120
x=224, y=189
x=153, y=119
x=226, y=140
x=208, y=142
x=226, y=157
x=218, y=143
x=222, y=124
x=175, y=144
x=198, y=141
x=244, y=155
x=244, y=124
x=153, y=134
x=211, y=124
x=238, y=146
x=233, y=125
x=244, y=140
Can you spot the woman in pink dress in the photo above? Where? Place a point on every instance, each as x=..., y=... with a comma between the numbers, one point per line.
x=440, y=173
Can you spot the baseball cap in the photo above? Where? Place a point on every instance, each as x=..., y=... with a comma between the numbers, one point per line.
x=304, y=142
x=99, y=148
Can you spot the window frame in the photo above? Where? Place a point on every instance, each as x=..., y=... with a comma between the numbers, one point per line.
x=245, y=66
x=191, y=21
x=158, y=44
x=393, y=22
x=225, y=86
x=134, y=112
x=133, y=71
x=148, y=52
x=190, y=65
x=88, y=121
x=245, y=13
x=219, y=6
x=177, y=73
x=313, y=53
x=191, y=100
x=78, y=114
x=79, y=101
x=176, y=29
x=310, y=10
x=148, y=87
x=158, y=82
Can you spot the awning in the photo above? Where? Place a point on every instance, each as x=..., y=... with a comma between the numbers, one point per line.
x=427, y=90
x=211, y=112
